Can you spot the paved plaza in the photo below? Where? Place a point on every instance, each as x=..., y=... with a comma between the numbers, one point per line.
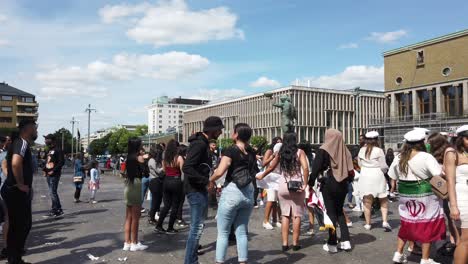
x=98, y=230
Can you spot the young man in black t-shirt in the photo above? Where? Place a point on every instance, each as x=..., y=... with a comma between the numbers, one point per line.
x=16, y=191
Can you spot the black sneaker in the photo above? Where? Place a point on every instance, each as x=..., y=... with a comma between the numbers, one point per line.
x=50, y=214
x=152, y=222
x=172, y=231
x=296, y=248
x=160, y=230
x=3, y=254
x=59, y=213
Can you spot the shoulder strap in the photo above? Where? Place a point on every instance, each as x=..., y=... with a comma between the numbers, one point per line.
x=454, y=151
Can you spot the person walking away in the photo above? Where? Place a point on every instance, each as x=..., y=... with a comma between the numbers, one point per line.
x=156, y=183
x=413, y=169
x=173, y=187
x=439, y=148
x=197, y=171
x=94, y=181
x=271, y=207
x=456, y=169
x=145, y=180
x=53, y=171
x=135, y=168
x=291, y=192
x=236, y=202
x=389, y=157
x=16, y=191
x=334, y=161
x=79, y=177
x=372, y=182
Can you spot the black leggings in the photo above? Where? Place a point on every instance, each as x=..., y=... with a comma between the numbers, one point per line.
x=181, y=206
x=173, y=188
x=156, y=189
x=334, y=194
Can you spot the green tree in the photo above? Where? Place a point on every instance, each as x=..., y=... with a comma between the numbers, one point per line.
x=100, y=146
x=141, y=130
x=258, y=141
x=67, y=139
x=118, y=141
x=225, y=143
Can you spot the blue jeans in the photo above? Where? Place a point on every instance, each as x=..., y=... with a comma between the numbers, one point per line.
x=53, y=183
x=350, y=193
x=235, y=208
x=144, y=188
x=198, y=211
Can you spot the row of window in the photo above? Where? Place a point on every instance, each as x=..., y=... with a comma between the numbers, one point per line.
x=22, y=99
x=175, y=106
x=22, y=110
x=445, y=72
x=452, y=97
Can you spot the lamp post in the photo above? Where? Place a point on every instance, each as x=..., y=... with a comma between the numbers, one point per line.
x=356, y=119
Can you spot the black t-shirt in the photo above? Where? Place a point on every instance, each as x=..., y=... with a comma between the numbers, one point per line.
x=238, y=159
x=21, y=147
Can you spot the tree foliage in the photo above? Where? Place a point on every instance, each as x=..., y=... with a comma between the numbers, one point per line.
x=224, y=143
x=258, y=141
x=67, y=139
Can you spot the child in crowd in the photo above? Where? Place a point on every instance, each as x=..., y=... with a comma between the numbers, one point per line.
x=94, y=181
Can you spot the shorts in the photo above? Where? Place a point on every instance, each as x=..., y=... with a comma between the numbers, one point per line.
x=272, y=195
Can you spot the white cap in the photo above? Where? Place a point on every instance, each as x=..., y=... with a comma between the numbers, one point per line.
x=444, y=133
x=462, y=129
x=425, y=130
x=415, y=135
x=277, y=147
x=372, y=134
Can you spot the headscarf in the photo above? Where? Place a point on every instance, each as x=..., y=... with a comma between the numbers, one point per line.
x=341, y=162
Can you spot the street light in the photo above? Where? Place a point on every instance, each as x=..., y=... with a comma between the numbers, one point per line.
x=356, y=106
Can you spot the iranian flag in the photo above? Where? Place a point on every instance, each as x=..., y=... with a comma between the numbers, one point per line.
x=421, y=213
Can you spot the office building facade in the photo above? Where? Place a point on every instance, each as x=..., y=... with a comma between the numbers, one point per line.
x=426, y=85
x=318, y=109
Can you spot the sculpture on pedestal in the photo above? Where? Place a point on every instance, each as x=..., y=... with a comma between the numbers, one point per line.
x=288, y=114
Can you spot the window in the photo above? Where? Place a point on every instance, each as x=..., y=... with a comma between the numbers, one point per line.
x=160, y=105
x=426, y=102
x=398, y=80
x=160, y=131
x=329, y=119
x=160, y=111
x=169, y=111
x=405, y=106
x=420, y=57
x=160, y=127
x=6, y=119
x=27, y=100
x=181, y=116
x=7, y=98
x=160, y=121
x=7, y=109
x=160, y=116
x=446, y=71
x=453, y=100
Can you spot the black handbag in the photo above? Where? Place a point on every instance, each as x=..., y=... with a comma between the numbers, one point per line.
x=243, y=176
x=294, y=186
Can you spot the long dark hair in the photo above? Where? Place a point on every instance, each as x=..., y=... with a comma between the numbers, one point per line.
x=244, y=133
x=405, y=155
x=439, y=144
x=370, y=144
x=459, y=145
x=134, y=147
x=171, y=152
x=288, y=154
x=183, y=150
x=389, y=156
x=157, y=154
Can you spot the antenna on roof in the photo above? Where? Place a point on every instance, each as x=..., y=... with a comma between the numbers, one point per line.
x=308, y=83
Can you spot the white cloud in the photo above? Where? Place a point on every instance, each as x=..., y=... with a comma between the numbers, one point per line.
x=172, y=22
x=366, y=77
x=3, y=18
x=350, y=45
x=94, y=78
x=265, y=82
x=387, y=37
x=216, y=95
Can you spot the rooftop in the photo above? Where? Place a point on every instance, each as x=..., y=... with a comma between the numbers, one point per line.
x=179, y=100
x=6, y=89
x=421, y=44
x=292, y=88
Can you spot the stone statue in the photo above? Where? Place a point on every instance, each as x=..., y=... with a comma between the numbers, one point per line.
x=288, y=114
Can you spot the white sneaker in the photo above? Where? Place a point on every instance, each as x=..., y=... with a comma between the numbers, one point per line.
x=357, y=209
x=330, y=248
x=346, y=246
x=277, y=224
x=126, y=247
x=137, y=247
x=261, y=203
x=387, y=227
x=399, y=258
x=428, y=261
x=156, y=216
x=350, y=224
x=310, y=232
x=367, y=227
x=95, y=202
x=268, y=226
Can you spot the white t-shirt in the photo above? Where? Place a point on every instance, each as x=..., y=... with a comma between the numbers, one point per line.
x=422, y=166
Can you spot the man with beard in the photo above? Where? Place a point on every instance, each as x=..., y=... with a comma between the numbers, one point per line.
x=17, y=189
x=197, y=169
x=52, y=172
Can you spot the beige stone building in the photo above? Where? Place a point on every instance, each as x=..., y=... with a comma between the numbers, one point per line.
x=318, y=109
x=16, y=105
x=426, y=85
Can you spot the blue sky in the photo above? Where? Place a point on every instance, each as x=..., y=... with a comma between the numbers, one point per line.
x=118, y=55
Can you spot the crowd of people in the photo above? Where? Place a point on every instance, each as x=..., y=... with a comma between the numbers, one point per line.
x=428, y=176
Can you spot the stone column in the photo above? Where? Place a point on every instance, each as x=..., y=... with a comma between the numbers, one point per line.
x=415, y=106
x=439, y=100
x=465, y=97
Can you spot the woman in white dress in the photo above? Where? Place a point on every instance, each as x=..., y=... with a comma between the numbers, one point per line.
x=372, y=182
x=456, y=171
